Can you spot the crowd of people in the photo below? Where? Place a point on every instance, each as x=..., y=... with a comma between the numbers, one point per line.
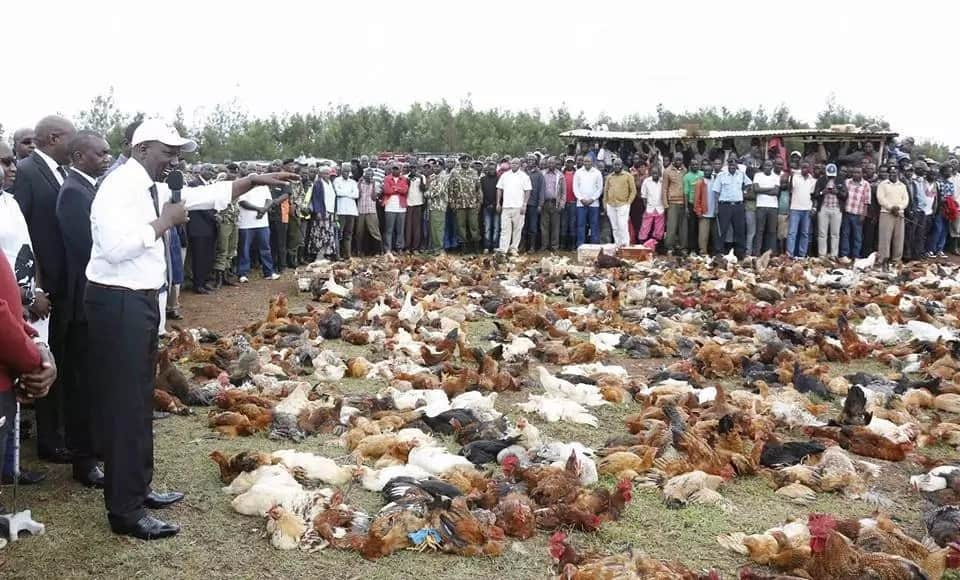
x=60, y=239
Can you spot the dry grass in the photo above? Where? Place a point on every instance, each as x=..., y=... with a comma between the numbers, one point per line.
x=217, y=543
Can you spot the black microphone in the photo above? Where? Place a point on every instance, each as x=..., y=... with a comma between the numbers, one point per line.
x=175, y=183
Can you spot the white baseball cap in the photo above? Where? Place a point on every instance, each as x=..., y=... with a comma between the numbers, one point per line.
x=157, y=130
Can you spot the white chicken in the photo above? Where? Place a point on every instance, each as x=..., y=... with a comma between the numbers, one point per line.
x=413, y=398
x=375, y=479
x=588, y=395
x=518, y=348
x=892, y=431
x=553, y=409
x=314, y=467
x=435, y=460
x=332, y=287
x=481, y=405
x=267, y=494
x=605, y=341
x=248, y=479
x=378, y=309
x=408, y=312
x=865, y=263
x=285, y=528
x=936, y=479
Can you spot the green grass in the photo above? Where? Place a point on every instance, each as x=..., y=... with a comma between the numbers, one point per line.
x=218, y=543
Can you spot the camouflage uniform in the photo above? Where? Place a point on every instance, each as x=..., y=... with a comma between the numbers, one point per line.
x=227, y=237
x=294, y=238
x=463, y=193
x=437, y=206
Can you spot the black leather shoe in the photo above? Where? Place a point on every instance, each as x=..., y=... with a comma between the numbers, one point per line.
x=174, y=315
x=58, y=455
x=147, y=528
x=92, y=477
x=201, y=290
x=156, y=501
x=27, y=477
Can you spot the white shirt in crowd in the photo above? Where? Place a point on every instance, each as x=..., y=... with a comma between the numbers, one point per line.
x=53, y=165
x=652, y=192
x=15, y=240
x=801, y=193
x=126, y=251
x=414, y=194
x=514, y=184
x=588, y=184
x=762, y=181
x=347, y=195
x=248, y=219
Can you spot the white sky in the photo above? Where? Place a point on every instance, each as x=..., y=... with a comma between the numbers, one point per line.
x=877, y=57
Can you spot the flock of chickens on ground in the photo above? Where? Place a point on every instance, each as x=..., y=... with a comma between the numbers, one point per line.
x=745, y=390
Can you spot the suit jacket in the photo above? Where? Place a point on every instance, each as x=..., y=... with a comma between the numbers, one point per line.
x=36, y=190
x=73, y=216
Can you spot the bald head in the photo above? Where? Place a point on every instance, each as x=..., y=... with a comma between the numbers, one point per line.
x=53, y=137
x=24, y=142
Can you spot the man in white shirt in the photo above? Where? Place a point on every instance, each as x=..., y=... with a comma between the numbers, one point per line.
x=253, y=230
x=129, y=218
x=587, y=188
x=801, y=204
x=766, y=184
x=347, y=193
x=513, y=191
x=413, y=224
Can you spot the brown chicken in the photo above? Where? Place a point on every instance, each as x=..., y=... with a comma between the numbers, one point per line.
x=626, y=464
x=227, y=399
x=239, y=463
x=335, y=519
x=548, y=485
x=834, y=556
x=573, y=565
x=601, y=502
x=167, y=403
x=170, y=378
x=278, y=308
x=515, y=515
x=852, y=345
x=230, y=423
x=462, y=533
x=389, y=532
x=862, y=441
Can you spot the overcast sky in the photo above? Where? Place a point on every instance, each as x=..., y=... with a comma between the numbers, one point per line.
x=879, y=58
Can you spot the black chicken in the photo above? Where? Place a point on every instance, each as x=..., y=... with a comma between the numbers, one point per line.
x=777, y=454
x=444, y=422
x=438, y=491
x=807, y=384
x=854, y=409
x=486, y=450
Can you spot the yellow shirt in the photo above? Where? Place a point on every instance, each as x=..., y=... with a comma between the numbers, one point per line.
x=619, y=190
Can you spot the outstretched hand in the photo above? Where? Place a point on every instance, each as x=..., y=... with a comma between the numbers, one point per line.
x=278, y=178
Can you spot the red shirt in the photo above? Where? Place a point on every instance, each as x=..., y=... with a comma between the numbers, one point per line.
x=568, y=182
x=18, y=353
x=395, y=186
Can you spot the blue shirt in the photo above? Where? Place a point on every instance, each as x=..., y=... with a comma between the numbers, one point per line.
x=711, y=199
x=730, y=187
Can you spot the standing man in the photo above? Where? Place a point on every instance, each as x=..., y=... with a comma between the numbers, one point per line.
x=568, y=217
x=855, y=211
x=766, y=185
x=39, y=178
x=254, y=231
x=367, y=228
x=587, y=188
x=491, y=218
x=24, y=142
x=89, y=156
x=729, y=187
x=534, y=202
x=893, y=200
x=395, y=188
x=463, y=196
x=202, y=233
x=691, y=178
x=437, y=208
x=227, y=236
x=294, y=238
x=130, y=217
x=705, y=206
x=279, y=219
x=347, y=195
x=413, y=225
x=830, y=194
x=513, y=191
x=801, y=204
x=676, y=205
x=551, y=206
x=619, y=192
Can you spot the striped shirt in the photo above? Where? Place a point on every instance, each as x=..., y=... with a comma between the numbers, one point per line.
x=858, y=196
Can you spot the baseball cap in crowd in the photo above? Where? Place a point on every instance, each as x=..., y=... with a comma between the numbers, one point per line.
x=157, y=130
x=830, y=170
x=796, y=154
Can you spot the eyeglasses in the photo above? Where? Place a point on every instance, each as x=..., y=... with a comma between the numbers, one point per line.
x=7, y=160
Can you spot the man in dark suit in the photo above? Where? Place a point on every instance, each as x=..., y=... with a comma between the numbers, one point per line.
x=39, y=178
x=90, y=155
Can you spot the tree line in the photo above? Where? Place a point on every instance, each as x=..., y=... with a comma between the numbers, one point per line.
x=229, y=132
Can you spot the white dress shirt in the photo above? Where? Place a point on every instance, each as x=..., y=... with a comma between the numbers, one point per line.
x=53, y=165
x=247, y=218
x=92, y=181
x=414, y=194
x=347, y=195
x=588, y=184
x=126, y=251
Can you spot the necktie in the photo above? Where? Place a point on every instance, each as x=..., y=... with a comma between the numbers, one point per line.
x=166, y=235
x=62, y=172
